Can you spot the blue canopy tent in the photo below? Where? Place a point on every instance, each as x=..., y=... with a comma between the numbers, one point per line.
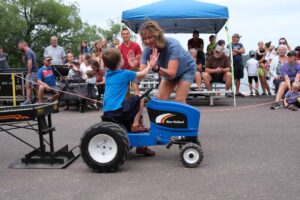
x=179, y=16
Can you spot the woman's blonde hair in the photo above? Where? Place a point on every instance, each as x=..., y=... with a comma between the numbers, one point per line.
x=152, y=28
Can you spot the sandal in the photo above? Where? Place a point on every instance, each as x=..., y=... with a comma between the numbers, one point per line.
x=138, y=128
x=145, y=151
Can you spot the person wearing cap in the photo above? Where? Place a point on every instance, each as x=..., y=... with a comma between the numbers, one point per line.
x=3, y=60
x=222, y=44
x=47, y=81
x=32, y=67
x=217, y=70
x=290, y=73
x=252, y=67
x=195, y=42
x=237, y=51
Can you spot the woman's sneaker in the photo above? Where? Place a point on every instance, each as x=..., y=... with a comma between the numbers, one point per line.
x=275, y=106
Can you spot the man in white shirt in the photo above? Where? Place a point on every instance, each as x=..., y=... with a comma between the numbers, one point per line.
x=252, y=67
x=55, y=51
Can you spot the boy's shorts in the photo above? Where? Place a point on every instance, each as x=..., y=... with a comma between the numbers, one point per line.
x=250, y=78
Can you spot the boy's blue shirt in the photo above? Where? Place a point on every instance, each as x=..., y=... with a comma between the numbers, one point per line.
x=116, y=86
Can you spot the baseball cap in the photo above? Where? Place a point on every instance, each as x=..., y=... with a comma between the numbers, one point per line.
x=252, y=53
x=47, y=58
x=291, y=53
x=236, y=35
x=219, y=49
x=220, y=42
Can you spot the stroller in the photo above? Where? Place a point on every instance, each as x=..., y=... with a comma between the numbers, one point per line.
x=75, y=90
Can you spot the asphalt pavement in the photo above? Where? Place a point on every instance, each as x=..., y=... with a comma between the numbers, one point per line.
x=249, y=154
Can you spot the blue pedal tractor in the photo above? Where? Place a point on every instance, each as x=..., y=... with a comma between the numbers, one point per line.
x=105, y=145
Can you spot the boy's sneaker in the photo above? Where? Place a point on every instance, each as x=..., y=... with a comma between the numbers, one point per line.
x=145, y=151
x=251, y=93
x=25, y=103
x=275, y=106
x=257, y=93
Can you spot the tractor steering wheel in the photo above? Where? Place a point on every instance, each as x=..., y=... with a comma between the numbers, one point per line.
x=146, y=94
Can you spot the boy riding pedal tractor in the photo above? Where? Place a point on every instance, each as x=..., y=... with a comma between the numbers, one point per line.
x=116, y=86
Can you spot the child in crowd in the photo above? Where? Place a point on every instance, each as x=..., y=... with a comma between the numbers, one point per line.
x=252, y=67
x=292, y=97
x=85, y=66
x=263, y=74
x=211, y=46
x=116, y=85
x=99, y=74
x=74, y=71
x=91, y=79
x=260, y=51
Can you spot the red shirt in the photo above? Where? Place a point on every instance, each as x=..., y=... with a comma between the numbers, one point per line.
x=135, y=47
x=99, y=75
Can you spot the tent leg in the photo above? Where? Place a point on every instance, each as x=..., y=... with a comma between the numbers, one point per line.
x=231, y=62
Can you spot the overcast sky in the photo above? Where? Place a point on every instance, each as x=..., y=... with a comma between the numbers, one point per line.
x=255, y=20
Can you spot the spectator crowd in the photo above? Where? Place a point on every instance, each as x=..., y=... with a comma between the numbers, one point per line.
x=272, y=69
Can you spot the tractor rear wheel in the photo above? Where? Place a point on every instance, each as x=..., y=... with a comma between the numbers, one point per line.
x=104, y=147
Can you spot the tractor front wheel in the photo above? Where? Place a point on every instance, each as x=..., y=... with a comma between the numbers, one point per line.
x=191, y=155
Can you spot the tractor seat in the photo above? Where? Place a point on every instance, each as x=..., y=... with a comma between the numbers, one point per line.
x=121, y=122
x=106, y=118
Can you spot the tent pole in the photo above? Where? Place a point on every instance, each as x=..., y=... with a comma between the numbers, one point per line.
x=231, y=61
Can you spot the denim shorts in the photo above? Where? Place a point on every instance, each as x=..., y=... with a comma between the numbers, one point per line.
x=188, y=76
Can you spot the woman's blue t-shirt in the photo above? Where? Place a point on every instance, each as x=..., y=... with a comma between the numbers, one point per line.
x=172, y=51
x=116, y=86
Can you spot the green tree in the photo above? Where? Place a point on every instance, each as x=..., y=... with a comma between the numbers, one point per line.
x=37, y=21
x=113, y=29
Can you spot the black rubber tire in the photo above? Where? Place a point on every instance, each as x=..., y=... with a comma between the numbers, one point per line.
x=189, y=146
x=120, y=137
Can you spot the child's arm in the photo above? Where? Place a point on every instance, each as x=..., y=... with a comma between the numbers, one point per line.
x=141, y=74
x=285, y=103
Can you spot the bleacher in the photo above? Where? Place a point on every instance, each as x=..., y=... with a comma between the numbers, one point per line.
x=218, y=91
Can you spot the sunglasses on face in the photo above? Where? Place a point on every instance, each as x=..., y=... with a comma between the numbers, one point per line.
x=282, y=43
